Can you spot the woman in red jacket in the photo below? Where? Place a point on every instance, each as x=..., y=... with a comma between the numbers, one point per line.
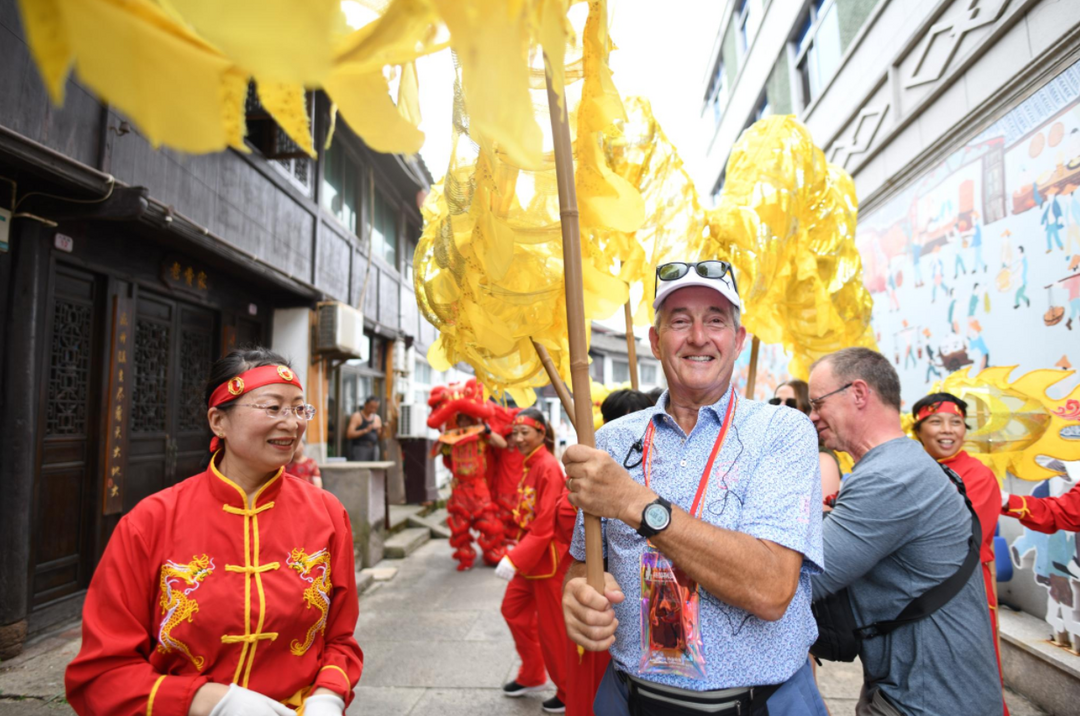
x=532, y=605
x=940, y=427
x=232, y=592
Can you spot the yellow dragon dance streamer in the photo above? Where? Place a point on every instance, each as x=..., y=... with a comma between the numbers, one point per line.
x=179, y=69
x=1014, y=426
x=786, y=220
x=489, y=266
x=674, y=221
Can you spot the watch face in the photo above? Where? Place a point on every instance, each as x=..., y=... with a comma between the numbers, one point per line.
x=656, y=517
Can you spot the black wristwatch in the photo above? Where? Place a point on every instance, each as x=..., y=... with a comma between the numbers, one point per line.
x=655, y=518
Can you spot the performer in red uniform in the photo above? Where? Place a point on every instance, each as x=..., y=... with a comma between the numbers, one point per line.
x=465, y=453
x=504, y=474
x=940, y=427
x=535, y=567
x=232, y=592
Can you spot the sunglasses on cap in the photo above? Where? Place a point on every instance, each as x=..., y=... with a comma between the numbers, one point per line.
x=790, y=402
x=714, y=269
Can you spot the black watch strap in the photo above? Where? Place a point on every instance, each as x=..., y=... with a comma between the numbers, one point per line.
x=644, y=529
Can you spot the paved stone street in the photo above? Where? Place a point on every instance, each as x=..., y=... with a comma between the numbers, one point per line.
x=434, y=645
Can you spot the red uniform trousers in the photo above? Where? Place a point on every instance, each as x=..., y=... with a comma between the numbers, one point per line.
x=533, y=611
x=584, y=672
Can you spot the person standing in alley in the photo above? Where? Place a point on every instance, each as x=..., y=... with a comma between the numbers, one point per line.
x=232, y=592
x=535, y=566
x=363, y=432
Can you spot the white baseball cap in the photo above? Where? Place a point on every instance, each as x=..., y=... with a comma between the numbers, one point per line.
x=719, y=277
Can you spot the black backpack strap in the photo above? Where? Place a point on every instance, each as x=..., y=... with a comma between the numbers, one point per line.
x=940, y=594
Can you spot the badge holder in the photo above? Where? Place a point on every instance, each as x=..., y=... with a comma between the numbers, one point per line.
x=670, y=625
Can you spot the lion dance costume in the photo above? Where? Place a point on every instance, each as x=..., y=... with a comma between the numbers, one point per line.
x=468, y=455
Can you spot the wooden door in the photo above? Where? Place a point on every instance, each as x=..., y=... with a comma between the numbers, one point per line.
x=173, y=351
x=66, y=499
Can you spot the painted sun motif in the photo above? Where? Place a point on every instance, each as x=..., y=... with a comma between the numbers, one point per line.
x=1013, y=424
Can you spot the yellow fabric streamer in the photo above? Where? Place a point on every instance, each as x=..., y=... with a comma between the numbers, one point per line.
x=489, y=269
x=786, y=220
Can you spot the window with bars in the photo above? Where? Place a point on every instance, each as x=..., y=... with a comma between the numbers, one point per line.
x=648, y=373
x=818, y=49
x=716, y=97
x=264, y=134
x=341, y=185
x=384, y=239
x=747, y=21
x=620, y=371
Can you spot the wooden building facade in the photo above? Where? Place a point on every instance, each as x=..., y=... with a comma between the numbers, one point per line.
x=127, y=271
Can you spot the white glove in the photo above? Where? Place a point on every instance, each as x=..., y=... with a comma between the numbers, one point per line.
x=1004, y=499
x=505, y=569
x=244, y=702
x=324, y=705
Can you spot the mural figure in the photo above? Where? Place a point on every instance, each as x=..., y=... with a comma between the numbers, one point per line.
x=1021, y=266
x=1051, y=219
x=937, y=270
x=1072, y=286
x=1073, y=236
x=976, y=244
x=976, y=342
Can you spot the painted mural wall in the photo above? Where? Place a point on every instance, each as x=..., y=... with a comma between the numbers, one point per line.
x=977, y=263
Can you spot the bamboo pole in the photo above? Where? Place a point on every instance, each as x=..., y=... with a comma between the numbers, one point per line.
x=631, y=345
x=752, y=377
x=575, y=315
x=556, y=382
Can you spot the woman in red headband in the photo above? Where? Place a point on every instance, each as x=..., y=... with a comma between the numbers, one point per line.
x=233, y=591
x=940, y=427
x=532, y=605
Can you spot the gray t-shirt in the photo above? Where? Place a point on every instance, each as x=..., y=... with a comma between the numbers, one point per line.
x=899, y=528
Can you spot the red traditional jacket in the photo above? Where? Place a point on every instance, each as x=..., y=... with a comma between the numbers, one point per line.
x=197, y=586
x=538, y=554
x=1046, y=514
x=985, y=494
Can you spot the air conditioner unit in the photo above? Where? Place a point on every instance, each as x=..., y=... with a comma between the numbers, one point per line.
x=340, y=331
x=412, y=422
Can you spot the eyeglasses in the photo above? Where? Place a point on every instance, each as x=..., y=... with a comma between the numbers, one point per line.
x=790, y=402
x=815, y=403
x=674, y=270
x=302, y=413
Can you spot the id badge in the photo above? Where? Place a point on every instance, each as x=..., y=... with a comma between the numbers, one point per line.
x=670, y=624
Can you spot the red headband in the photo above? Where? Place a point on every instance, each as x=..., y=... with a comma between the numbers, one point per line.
x=526, y=420
x=944, y=406
x=245, y=383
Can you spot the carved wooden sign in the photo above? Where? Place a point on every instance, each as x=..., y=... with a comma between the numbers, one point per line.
x=182, y=275
x=119, y=401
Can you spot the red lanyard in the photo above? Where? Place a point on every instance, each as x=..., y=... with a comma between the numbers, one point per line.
x=647, y=457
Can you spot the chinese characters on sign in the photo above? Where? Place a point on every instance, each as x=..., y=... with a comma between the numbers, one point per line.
x=119, y=392
x=181, y=274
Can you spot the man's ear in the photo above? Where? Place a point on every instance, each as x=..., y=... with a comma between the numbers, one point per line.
x=654, y=342
x=861, y=391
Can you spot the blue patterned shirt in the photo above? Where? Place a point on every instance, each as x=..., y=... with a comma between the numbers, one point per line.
x=766, y=483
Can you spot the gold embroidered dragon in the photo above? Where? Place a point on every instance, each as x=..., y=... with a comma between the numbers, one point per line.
x=315, y=570
x=177, y=604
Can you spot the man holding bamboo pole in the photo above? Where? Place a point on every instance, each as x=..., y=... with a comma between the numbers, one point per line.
x=711, y=528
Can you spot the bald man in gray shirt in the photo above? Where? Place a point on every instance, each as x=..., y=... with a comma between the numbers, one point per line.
x=899, y=528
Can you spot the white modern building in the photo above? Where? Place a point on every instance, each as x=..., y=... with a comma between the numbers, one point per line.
x=959, y=121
